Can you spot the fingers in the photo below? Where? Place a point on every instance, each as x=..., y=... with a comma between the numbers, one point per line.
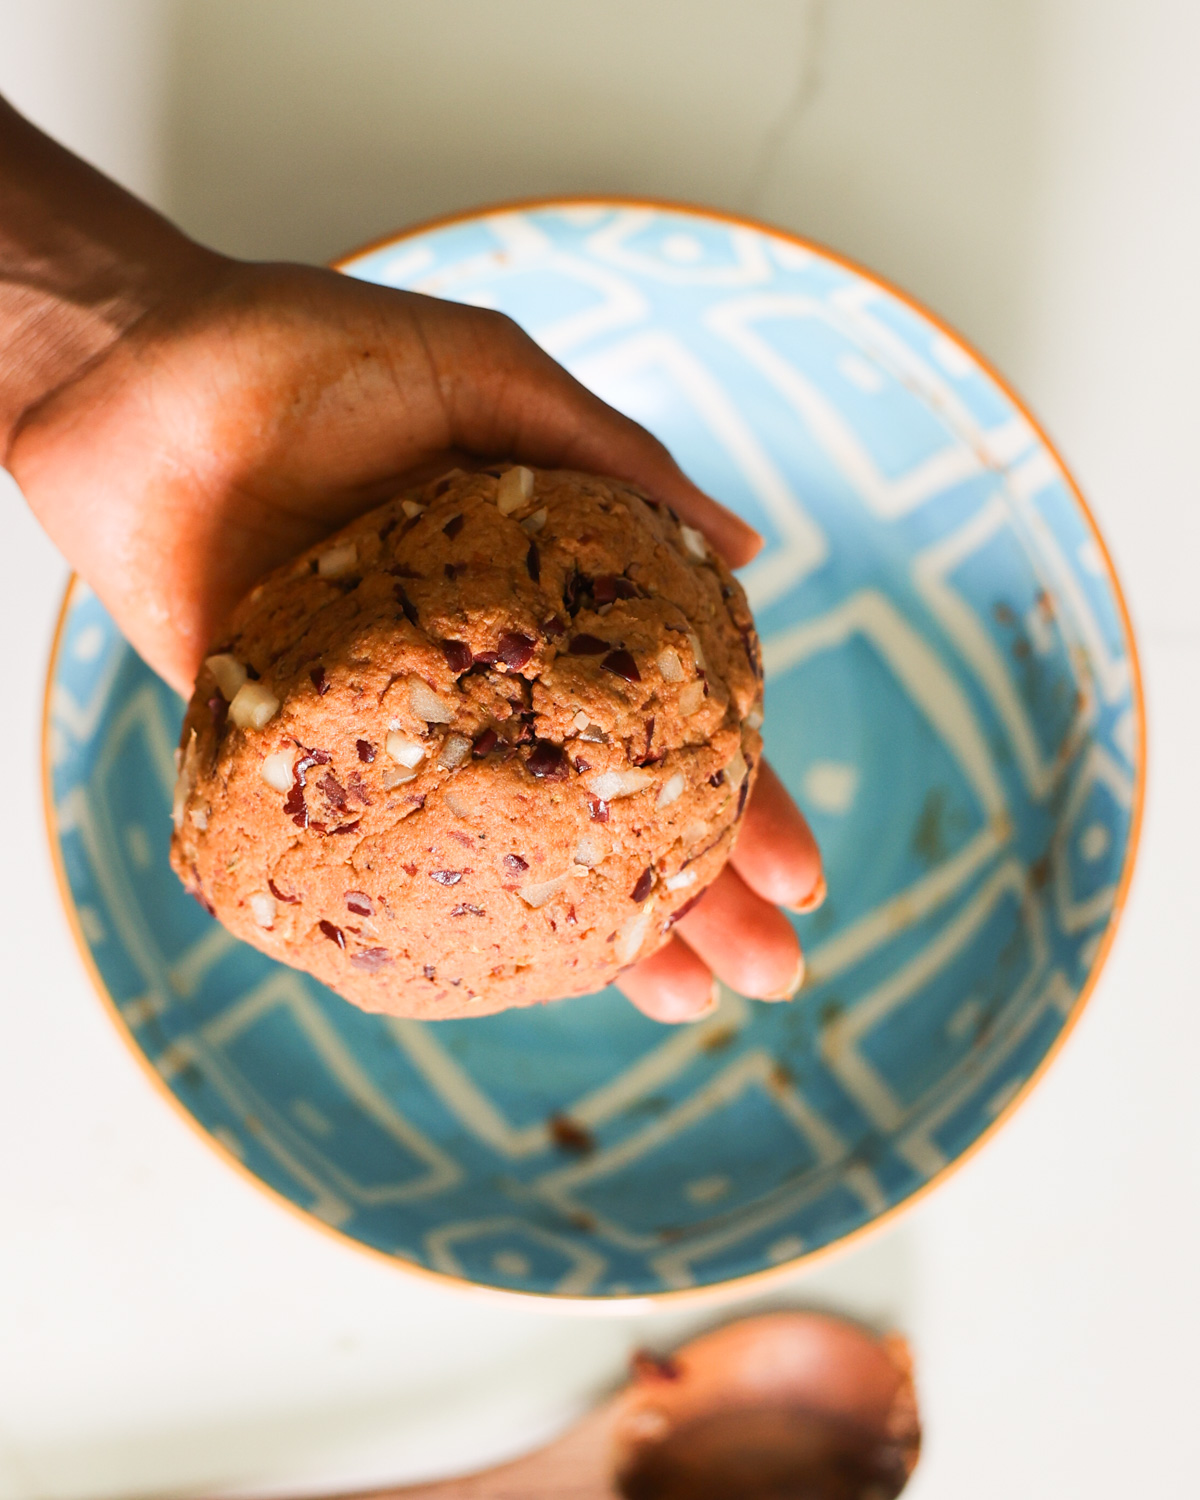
x=671, y=985
x=776, y=854
x=505, y=396
x=745, y=940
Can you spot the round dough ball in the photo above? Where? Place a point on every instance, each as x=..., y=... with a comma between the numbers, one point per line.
x=479, y=749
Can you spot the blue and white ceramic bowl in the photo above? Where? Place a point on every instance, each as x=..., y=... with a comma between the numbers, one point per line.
x=952, y=696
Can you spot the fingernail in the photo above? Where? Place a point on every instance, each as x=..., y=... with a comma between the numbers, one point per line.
x=793, y=987
x=714, y=1003
x=814, y=899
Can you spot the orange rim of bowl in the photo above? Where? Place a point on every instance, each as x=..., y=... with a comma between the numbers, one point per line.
x=754, y=1282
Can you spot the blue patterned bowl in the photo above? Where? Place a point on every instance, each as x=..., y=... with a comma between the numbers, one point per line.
x=952, y=695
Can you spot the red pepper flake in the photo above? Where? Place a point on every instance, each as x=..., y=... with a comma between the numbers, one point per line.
x=446, y=877
x=371, y=960
x=334, y=790
x=452, y=570
x=683, y=910
x=587, y=645
x=334, y=934
x=388, y=527
x=552, y=627
x=366, y=751
x=610, y=587
x=360, y=903
x=452, y=527
x=465, y=909
x=742, y=795
x=582, y=765
x=344, y=827
x=622, y=664
x=429, y=971
x=515, y=649
x=648, y=1367
x=533, y=563
x=645, y=884
x=572, y=919
x=196, y=891
x=599, y=809
x=515, y=865
x=488, y=740
x=569, y=1135
x=409, y=869
x=548, y=762
x=458, y=656
x=359, y=790
x=406, y=604
x=319, y=680
x=219, y=711
x=716, y=778
x=279, y=896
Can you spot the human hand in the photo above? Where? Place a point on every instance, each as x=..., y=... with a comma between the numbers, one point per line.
x=238, y=413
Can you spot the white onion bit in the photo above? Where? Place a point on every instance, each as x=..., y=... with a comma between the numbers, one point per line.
x=426, y=704
x=411, y=509
x=697, y=651
x=263, y=907
x=669, y=665
x=735, y=771
x=610, y=785
x=459, y=806
x=337, y=561
x=538, y=893
x=456, y=749
x=276, y=770
x=691, y=698
x=754, y=719
x=694, y=541
x=185, y=781
x=229, y=672
x=580, y=721
x=680, y=881
x=531, y=525
x=632, y=934
x=403, y=749
x=253, y=706
x=672, y=790
x=514, y=490
x=590, y=850
x=200, y=818
x=398, y=777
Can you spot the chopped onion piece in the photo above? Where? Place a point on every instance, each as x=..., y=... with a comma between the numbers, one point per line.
x=672, y=790
x=669, y=665
x=200, y=818
x=735, y=771
x=185, y=781
x=680, y=881
x=754, y=719
x=253, y=706
x=531, y=525
x=426, y=704
x=411, y=509
x=229, y=672
x=537, y=893
x=276, y=770
x=514, y=489
x=263, y=907
x=694, y=541
x=398, y=777
x=404, y=750
x=590, y=850
x=337, y=561
x=609, y=785
x=632, y=934
x=581, y=721
x=691, y=699
x=459, y=806
x=697, y=651
x=456, y=749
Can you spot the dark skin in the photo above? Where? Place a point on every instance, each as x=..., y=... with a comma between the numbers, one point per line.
x=181, y=422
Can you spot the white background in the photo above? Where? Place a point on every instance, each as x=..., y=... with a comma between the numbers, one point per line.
x=1027, y=167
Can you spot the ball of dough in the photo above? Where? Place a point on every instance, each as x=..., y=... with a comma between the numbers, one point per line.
x=479, y=749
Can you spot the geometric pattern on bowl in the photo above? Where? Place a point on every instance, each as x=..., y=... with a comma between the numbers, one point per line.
x=952, y=695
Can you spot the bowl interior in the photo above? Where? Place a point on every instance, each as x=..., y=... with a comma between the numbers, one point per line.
x=951, y=696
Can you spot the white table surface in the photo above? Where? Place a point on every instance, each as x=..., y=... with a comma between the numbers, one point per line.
x=1029, y=170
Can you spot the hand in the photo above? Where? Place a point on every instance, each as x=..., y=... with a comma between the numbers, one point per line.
x=225, y=415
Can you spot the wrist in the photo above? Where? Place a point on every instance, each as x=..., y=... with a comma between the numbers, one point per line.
x=81, y=261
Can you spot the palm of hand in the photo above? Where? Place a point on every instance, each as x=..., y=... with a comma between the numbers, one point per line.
x=217, y=438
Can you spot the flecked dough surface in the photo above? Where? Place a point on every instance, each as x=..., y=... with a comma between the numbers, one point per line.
x=479, y=749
